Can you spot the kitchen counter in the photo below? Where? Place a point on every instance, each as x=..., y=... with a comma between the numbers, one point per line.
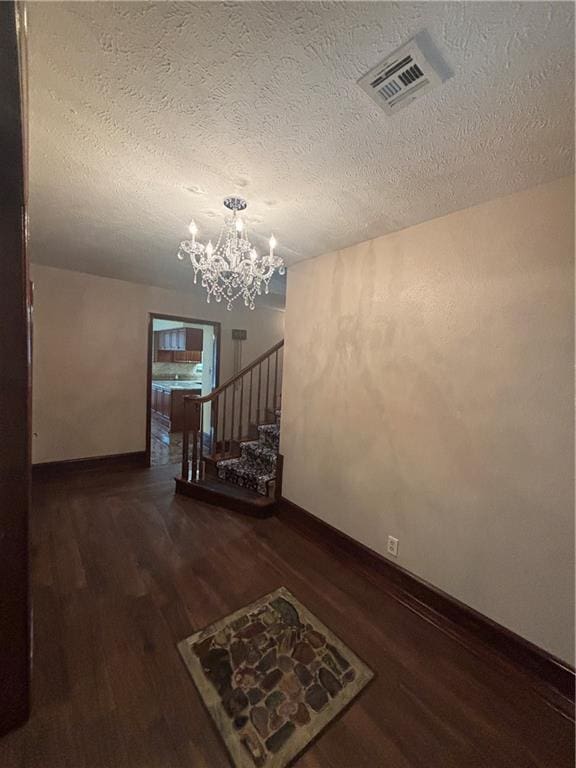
x=167, y=400
x=169, y=385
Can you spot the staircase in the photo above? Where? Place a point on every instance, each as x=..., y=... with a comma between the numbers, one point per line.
x=255, y=468
x=231, y=440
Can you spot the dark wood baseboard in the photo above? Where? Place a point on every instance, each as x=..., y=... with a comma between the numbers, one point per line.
x=553, y=678
x=52, y=468
x=219, y=494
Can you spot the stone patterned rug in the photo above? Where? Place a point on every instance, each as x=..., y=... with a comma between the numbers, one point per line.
x=272, y=677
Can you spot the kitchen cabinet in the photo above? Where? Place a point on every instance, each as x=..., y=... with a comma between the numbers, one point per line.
x=180, y=340
x=165, y=403
x=177, y=407
x=161, y=401
x=168, y=403
x=187, y=357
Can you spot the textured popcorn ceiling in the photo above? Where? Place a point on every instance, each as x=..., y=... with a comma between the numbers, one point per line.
x=145, y=115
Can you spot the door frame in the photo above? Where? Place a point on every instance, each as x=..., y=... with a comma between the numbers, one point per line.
x=15, y=392
x=178, y=319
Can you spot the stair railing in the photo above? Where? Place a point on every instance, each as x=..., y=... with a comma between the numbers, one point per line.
x=235, y=410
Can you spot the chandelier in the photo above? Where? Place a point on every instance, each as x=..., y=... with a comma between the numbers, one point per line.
x=232, y=268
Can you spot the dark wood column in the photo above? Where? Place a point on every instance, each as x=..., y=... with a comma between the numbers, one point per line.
x=14, y=390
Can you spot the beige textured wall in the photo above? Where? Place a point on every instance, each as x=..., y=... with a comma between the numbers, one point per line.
x=428, y=395
x=90, y=357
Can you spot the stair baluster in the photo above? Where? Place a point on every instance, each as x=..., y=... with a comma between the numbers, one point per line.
x=275, y=402
x=232, y=415
x=250, y=398
x=224, y=422
x=267, y=389
x=213, y=425
x=200, y=440
x=240, y=435
x=259, y=400
x=185, y=439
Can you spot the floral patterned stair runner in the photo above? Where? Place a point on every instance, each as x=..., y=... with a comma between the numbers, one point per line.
x=255, y=468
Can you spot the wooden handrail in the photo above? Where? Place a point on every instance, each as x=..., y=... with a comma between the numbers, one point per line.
x=215, y=392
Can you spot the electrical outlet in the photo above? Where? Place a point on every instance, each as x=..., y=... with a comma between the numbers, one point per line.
x=393, y=546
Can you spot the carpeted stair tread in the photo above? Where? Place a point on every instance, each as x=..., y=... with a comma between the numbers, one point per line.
x=258, y=453
x=234, y=471
x=255, y=468
x=269, y=434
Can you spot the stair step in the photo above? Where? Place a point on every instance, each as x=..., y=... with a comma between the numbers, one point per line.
x=221, y=494
x=269, y=435
x=249, y=467
x=214, y=458
x=246, y=475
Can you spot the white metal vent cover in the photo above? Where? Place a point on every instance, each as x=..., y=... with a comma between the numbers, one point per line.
x=406, y=74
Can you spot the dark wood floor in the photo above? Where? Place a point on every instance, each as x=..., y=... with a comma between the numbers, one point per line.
x=123, y=569
x=165, y=446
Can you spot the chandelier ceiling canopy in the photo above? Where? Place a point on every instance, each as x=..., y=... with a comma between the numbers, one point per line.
x=233, y=268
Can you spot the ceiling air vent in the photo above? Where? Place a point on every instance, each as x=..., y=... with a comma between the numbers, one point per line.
x=405, y=75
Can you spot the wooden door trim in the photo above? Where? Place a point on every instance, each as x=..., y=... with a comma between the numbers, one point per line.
x=177, y=319
x=15, y=397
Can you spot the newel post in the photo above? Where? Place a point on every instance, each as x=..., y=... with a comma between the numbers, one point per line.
x=185, y=438
x=195, y=427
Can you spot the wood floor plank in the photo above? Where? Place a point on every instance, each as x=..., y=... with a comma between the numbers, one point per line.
x=123, y=570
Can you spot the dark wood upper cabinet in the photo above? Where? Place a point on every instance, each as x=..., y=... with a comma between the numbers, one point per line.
x=186, y=356
x=193, y=339
x=178, y=340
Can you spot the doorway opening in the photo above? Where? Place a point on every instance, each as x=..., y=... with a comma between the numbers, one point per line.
x=183, y=359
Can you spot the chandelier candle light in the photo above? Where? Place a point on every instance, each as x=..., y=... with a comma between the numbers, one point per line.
x=233, y=267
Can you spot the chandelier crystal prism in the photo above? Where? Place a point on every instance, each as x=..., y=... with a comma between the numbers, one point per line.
x=232, y=268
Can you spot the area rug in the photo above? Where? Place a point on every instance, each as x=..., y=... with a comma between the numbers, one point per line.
x=272, y=676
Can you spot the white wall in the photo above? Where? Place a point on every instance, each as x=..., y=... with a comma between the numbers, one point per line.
x=90, y=358
x=428, y=395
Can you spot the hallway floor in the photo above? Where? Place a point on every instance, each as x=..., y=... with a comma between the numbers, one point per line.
x=165, y=446
x=123, y=570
